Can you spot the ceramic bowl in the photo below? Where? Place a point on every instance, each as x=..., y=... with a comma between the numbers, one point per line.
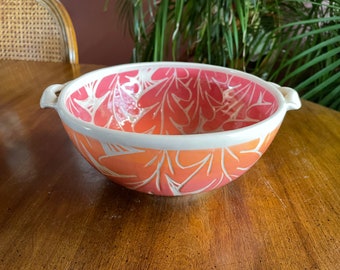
x=171, y=128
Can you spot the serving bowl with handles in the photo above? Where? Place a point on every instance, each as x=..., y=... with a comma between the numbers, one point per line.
x=170, y=128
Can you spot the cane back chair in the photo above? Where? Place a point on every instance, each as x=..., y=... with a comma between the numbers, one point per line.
x=36, y=30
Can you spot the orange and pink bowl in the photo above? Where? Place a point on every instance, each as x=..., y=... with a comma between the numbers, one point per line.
x=171, y=128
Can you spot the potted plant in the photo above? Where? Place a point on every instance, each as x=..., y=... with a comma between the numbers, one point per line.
x=293, y=43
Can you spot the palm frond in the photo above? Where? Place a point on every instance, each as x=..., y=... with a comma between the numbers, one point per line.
x=291, y=42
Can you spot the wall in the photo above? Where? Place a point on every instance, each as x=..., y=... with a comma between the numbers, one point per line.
x=100, y=34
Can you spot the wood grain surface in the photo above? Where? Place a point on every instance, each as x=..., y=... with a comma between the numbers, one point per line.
x=57, y=212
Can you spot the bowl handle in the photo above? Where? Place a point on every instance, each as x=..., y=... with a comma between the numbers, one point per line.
x=49, y=97
x=291, y=97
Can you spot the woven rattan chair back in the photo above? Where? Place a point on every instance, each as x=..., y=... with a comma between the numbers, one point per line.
x=36, y=30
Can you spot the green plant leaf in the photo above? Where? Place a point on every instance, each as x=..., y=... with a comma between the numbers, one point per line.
x=293, y=42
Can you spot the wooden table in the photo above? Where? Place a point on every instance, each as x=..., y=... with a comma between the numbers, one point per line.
x=57, y=212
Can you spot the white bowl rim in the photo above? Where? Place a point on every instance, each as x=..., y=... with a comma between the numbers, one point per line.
x=171, y=142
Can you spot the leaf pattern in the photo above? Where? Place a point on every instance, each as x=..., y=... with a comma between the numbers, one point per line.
x=171, y=101
x=170, y=172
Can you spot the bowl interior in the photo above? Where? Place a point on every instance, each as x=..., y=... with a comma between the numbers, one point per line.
x=172, y=100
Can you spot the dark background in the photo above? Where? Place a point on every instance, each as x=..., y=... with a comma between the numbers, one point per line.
x=100, y=34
